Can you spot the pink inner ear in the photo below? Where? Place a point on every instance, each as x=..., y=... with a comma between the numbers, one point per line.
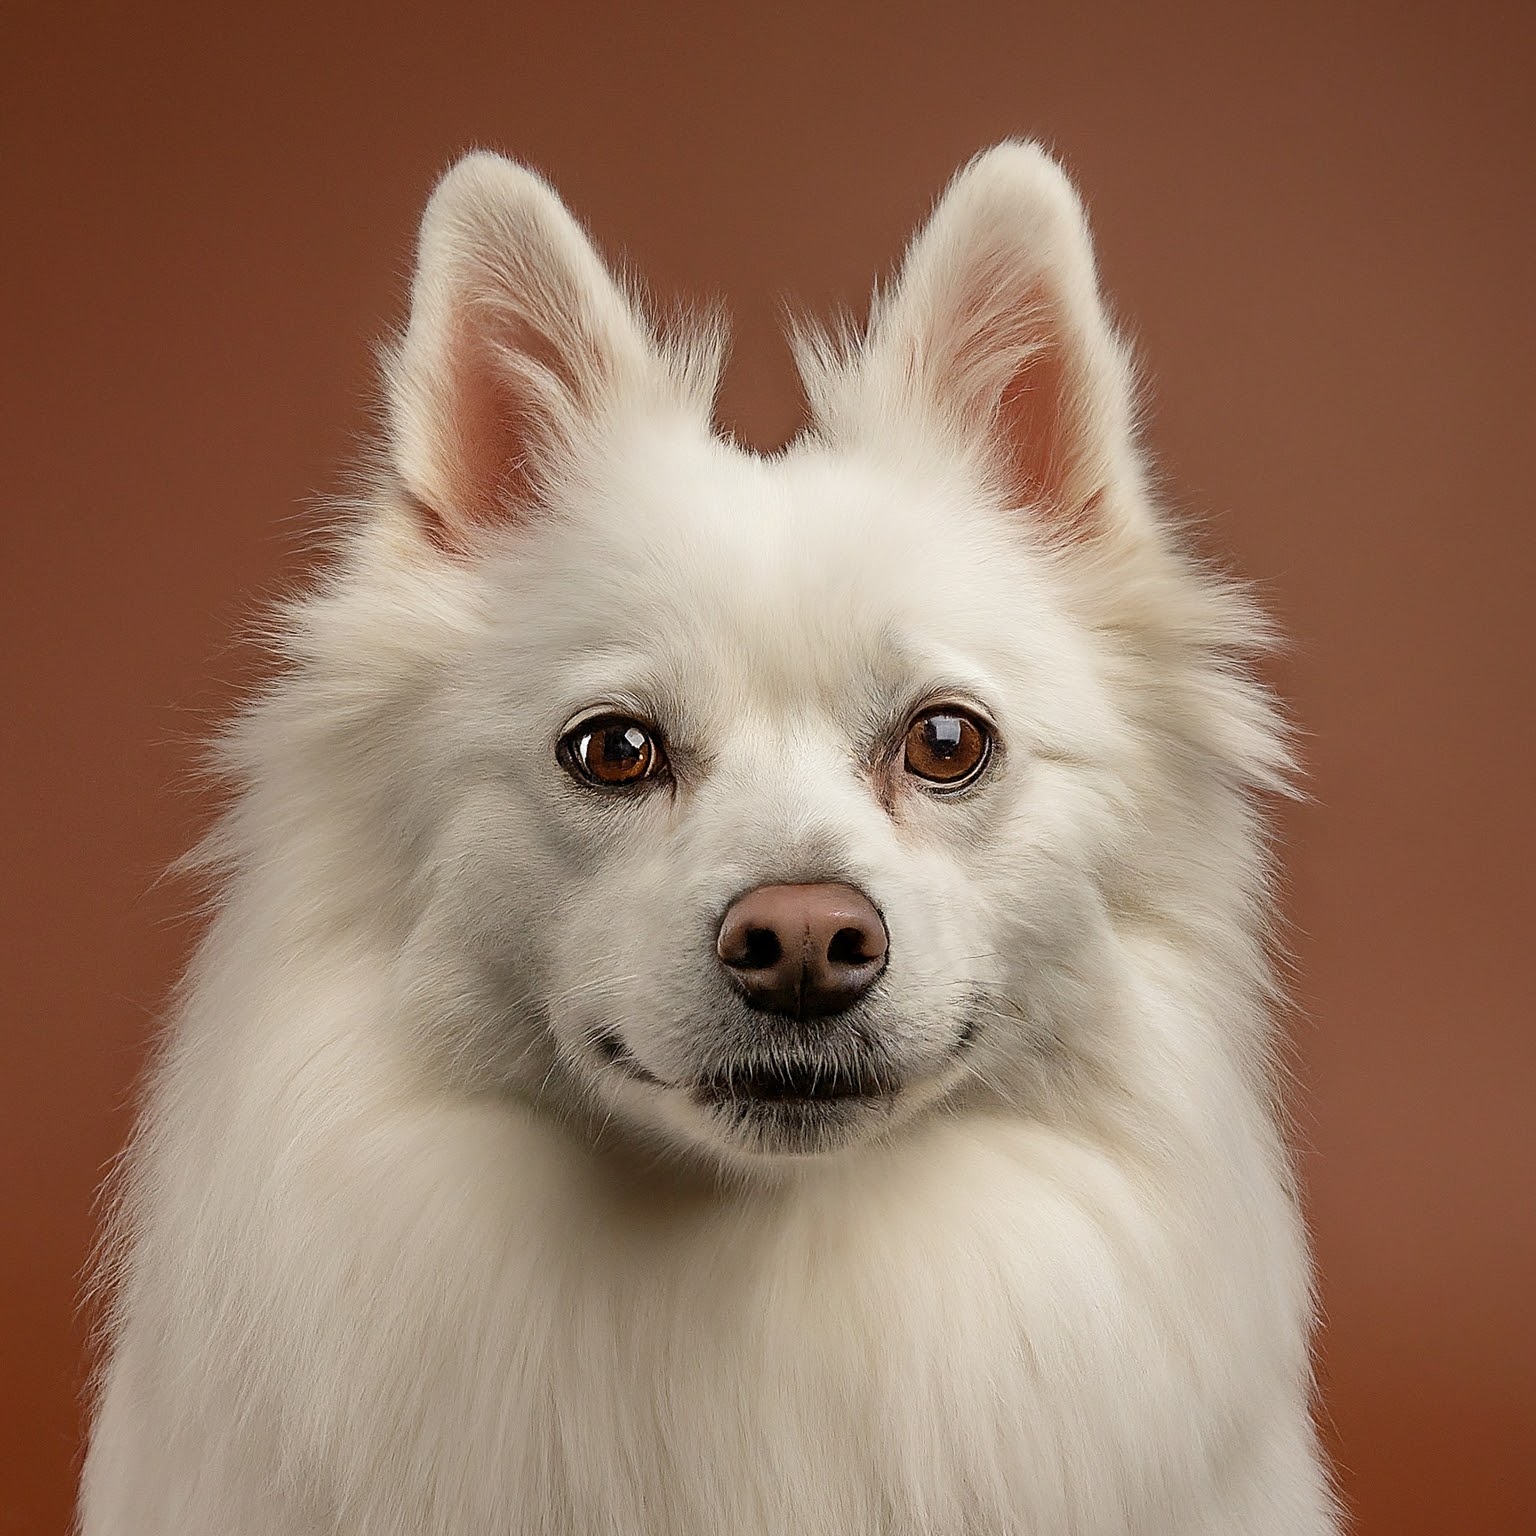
x=500, y=391
x=479, y=454
x=1015, y=361
x=485, y=429
x=1042, y=420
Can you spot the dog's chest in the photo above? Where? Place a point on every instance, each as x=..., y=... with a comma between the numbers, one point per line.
x=902, y=1366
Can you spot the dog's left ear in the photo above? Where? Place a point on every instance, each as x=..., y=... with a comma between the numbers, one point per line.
x=994, y=336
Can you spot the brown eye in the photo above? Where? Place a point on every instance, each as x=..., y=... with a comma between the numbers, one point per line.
x=613, y=752
x=946, y=747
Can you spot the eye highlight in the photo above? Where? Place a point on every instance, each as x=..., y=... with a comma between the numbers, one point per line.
x=947, y=747
x=613, y=752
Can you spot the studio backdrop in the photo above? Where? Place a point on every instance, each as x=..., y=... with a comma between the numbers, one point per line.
x=1320, y=218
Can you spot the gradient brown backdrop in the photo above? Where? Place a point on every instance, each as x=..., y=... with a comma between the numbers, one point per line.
x=1319, y=221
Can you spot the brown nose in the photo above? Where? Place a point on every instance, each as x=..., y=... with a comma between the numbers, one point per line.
x=802, y=950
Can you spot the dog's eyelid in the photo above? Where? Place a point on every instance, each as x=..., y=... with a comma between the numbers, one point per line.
x=617, y=707
x=654, y=713
x=962, y=697
x=958, y=700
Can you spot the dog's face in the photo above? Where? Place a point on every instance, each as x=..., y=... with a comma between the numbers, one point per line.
x=805, y=701
x=775, y=799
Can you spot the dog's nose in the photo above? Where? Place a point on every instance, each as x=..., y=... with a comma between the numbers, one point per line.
x=803, y=950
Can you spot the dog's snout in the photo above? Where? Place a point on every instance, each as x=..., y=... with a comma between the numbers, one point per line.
x=803, y=950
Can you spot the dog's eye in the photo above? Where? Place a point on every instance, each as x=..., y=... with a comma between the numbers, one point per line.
x=613, y=752
x=947, y=747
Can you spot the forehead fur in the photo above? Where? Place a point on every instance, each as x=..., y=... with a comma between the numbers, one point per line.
x=802, y=578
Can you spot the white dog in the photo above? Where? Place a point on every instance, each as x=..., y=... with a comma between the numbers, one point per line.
x=739, y=1003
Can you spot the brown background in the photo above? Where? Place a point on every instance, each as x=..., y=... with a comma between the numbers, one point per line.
x=1318, y=218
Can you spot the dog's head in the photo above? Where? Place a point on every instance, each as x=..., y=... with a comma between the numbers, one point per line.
x=757, y=803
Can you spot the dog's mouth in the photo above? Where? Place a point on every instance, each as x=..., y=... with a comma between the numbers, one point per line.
x=792, y=1083
x=798, y=1107
x=792, y=1103
x=786, y=1081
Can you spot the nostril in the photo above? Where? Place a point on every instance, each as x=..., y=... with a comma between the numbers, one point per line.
x=760, y=949
x=851, y=946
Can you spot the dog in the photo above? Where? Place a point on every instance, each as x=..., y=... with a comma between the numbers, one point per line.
x=739, y=1000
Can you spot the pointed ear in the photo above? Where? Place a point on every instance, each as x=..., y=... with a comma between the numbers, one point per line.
x=994, y=333
x=519, y=341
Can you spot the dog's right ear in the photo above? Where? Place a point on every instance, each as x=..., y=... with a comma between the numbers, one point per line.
x=519, y=341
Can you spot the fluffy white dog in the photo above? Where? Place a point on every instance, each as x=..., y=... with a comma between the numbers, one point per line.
x=739, y=1003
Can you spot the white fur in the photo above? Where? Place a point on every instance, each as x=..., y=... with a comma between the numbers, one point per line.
x=397, y=1255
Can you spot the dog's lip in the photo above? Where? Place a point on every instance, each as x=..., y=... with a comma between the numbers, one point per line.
x=796, y=1082
x=803, y=1082
x=763, y=1082
x=613, y=1051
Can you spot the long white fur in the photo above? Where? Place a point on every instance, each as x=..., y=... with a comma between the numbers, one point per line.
x=395, y=1255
